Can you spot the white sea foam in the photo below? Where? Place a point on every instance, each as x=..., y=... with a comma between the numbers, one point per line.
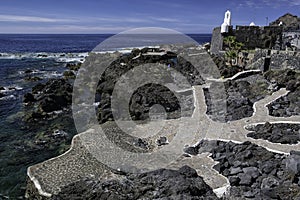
x=42, y=73
x=66, y=57
x=18, y=88
x=11, y=88
x=52, y=74
x=33, y=71
x=60, y=57
x=9, y=97
x=124, y=50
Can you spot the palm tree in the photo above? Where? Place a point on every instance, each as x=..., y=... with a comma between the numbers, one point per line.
x=231, y=55
x=234, y=47
x=229, y=41
x=238, y=46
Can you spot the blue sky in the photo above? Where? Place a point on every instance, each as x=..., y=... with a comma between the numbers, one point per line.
x=113, y=16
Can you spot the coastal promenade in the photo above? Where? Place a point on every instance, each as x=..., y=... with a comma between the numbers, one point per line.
x=48, y=177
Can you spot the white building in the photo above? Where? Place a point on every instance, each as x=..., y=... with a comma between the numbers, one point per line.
x=226, y=23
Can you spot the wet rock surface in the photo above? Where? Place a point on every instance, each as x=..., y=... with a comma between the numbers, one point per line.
x=253, y=171
x=74, y=66
x=32, y=78
x=47, y=115
x=69, y=74
x=283, y=133
x=50, y=139
x=54, y=95
x=159, y=184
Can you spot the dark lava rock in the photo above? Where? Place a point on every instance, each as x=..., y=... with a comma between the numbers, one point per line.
x=54, y=95
x=28, y=71
x=75, y=66
x=149, y=94
x=293, y=163
x=191, y=150
x=238, y=107
x=225, y=71
x=239, y=103
x=28, y=97
x=235, y=170
x=260, y=174
x=2, y=88
x=290, y=104
x=42, y=55
x=2, y=95
x=292, y=85
x=159, y=184
x=234, y=180
x=245, y=179
x=69, y=75
x=282, y=77
x=269, y=182
x=286, y=106
x=32, y=78
x=38, y=88
x=141, y=143
x=51, y=140
x=242, y=93
x=162, y=141
x=251, y=171
x=283, y=133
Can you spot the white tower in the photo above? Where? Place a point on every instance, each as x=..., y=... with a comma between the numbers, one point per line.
x=227, y=22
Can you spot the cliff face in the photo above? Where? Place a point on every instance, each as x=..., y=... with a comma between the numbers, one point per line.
x=289, y=21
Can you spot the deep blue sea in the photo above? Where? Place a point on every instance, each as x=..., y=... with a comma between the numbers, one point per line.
x=46, y=56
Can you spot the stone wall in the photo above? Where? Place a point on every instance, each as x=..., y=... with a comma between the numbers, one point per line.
x=279, y=59
x=252, y=37
x=258, y=37
x=216, y=41
x=285, y=59
x=292, y=40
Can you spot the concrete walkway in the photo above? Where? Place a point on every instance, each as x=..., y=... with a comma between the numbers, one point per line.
x=51, y=175
x=236, y=76
x=82, y=160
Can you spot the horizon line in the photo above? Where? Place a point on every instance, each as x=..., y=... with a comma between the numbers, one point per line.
x=91, y=33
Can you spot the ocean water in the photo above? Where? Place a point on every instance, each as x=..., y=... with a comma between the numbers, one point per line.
x=46, y=56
